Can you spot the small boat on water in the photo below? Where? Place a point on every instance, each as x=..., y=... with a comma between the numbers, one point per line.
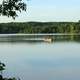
x=48, y=39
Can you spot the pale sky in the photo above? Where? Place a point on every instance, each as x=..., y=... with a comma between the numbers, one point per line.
x=48, y=10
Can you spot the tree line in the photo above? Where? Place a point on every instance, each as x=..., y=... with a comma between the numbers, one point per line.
x=40, y=27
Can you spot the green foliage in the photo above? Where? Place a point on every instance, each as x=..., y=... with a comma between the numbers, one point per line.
x=2, y=67
x=10, y=7
x=40, y=27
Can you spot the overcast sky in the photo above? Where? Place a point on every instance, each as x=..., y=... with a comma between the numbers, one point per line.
x=48, y=10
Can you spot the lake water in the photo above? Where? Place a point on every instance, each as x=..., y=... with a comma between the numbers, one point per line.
x=59, y=60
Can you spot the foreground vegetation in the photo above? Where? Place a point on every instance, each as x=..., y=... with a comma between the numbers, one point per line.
x=2, y=68
x=40, y=27
x=11, y=7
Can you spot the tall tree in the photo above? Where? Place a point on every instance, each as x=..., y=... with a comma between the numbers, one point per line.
x=11, y=7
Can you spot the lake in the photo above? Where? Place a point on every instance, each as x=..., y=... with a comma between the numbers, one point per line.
x=58, y=60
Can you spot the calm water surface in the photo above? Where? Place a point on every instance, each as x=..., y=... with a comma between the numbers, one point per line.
x=41, y=61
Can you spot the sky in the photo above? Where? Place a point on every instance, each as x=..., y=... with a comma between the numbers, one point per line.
x=48, y=11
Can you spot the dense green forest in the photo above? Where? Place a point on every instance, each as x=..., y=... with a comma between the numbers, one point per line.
x=40, y=27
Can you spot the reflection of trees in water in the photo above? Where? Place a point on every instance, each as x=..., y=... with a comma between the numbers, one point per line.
x=40, y=38
x=66, y=38
x=77, y=38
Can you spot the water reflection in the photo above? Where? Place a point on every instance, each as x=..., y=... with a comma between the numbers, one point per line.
x=68, y=38
x=59, y=60
x=39, y=39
